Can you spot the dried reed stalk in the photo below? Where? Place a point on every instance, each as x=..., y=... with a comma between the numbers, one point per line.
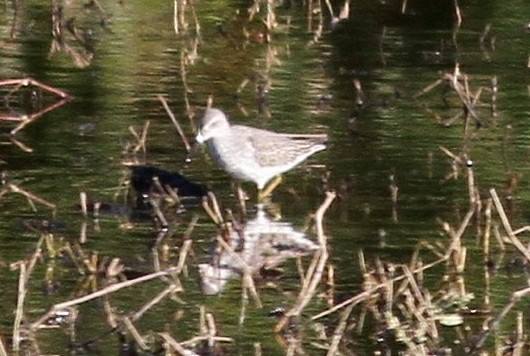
x=373, y=289
x=338, y=333
x=30, y=81
x=173, y=288
x=140, y=139
x=26, y=120
x=3, y=351
x=213, y=211
x=107, y=290
x=26, y=268
x=21, y=296
x=507, y=227
x=212, y=330
x=158, y=212
x=83, y=203
x=184, y=251
x=244, y=304
x=175, y=17
x=135, y=333
x=458, y=14
x=172, y=344
x=248, y=282
x=31, y=197
x=315, y=271
x=175, y=122
x=494, y=324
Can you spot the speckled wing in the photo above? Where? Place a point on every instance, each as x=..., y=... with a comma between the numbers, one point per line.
x=271, y=149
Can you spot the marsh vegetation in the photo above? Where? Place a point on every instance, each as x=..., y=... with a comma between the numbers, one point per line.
x=406, y=235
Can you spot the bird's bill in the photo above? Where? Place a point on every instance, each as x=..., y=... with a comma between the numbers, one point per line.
x=200, y=138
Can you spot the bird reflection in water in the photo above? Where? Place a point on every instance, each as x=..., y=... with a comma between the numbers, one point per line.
x=260, y=243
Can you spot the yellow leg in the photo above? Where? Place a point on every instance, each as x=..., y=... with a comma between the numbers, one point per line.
x=263, y=194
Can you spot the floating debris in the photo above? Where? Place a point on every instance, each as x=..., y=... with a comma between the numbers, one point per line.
x=142, y=180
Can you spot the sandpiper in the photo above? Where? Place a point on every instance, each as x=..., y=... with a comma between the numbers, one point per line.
x=253, y=154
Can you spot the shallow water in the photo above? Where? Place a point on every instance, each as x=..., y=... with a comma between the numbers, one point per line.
x=137, y=56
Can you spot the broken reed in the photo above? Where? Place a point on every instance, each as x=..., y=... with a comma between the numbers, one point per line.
x=24, y=120
x=401, y=302
x=408, y=306
x=315, y=270
x=381, y=281
x=459, y=83
x=170, y=276
x=398, y=287
x=89, y=265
